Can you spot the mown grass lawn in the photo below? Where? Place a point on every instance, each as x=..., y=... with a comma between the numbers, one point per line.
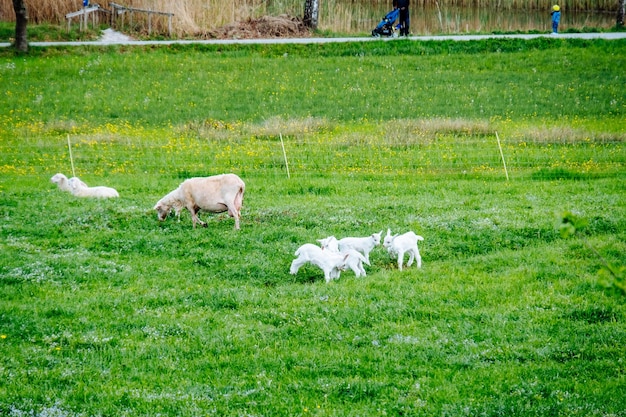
x=104, y=311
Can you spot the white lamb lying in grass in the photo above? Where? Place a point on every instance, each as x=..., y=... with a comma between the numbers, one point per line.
x=79, y=189
x=332, y=263
x=63, y=183
x=401, y=244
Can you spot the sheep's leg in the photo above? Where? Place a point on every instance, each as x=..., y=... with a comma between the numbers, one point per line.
x=366, y=255
x=418, y=258
x=235, y=214
x=411, y=258
x=400, y=259
x=334, y=273
x=194, y=216
x=357, y=268
x=192, y=211
x=296, y=264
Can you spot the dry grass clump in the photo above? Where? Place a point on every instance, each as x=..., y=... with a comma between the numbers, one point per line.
x=568, y=135
x=277, y=125
x=409, y=131
x=264, y=27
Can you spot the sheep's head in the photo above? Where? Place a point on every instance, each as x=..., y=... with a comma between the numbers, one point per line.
x=376, y=237
x=329, y=243
x=388, y=240
x=57, y=178
x=162, y=211
x=73, y=182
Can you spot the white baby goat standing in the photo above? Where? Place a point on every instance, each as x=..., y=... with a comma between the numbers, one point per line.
x=401, y=244
x=354, y=260
x=360, y=244
x=332, y=263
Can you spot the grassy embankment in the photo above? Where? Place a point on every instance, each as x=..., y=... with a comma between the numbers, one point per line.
x=106, y=312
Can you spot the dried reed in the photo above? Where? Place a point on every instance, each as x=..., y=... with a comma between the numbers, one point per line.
x=193, y=17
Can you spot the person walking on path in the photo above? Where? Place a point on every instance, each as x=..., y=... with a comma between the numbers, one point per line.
x=556, y=18
x=403, y=5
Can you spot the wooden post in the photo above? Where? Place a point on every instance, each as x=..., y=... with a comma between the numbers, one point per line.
x=506, y=172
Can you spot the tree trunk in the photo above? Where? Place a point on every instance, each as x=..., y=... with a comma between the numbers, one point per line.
x=21, y=19
x=620, y=14
x=311, y=13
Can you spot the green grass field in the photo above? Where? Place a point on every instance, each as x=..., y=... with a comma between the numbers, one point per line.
x=104, y=311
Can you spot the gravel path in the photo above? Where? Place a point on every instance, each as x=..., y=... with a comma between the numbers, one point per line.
x=111, y=37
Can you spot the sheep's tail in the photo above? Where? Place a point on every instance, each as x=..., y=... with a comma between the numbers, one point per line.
x=358, y=255
x=239, y=197
x=419, y=237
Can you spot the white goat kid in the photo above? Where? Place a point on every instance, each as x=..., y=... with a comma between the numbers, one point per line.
x=354, y=259
x=80, y=189
x=401, y=244
x=361, y=244
x=330, y=243
x=331, y=263
x=63, y=183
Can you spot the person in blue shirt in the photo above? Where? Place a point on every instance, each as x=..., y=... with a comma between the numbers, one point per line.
x=403, y=5
x=556, y=18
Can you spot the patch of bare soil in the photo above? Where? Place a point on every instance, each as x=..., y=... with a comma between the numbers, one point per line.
x=282, y=26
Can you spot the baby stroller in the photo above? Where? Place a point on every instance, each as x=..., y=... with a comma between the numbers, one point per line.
x=385, y=27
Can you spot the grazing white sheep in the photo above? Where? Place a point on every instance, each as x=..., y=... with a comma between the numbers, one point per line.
x=215, y=194
x=401, y=244
x=332, y=263
x=63, y=183
x=80, y=189
x=360, y=244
